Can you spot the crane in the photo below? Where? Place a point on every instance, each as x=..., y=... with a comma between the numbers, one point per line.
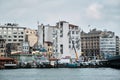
x=76, y=54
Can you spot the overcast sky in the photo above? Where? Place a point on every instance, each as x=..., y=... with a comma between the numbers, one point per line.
x=100, y=14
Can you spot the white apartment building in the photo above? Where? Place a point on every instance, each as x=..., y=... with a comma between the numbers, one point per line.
x=64, y=37
x=66, y=40
x=13, y=34
x=107, y=45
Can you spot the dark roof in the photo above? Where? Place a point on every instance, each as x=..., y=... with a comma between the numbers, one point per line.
x=6, y=58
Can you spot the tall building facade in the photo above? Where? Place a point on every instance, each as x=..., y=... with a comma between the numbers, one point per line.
x=14, y=36
x=107, y=44
x=66, y=40
x=90, y=43
x=41, y=35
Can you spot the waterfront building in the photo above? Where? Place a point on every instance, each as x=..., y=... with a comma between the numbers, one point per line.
x=66, y=40
x=2, y=46
x=90, y=43
x=107, y=44
x=14, y=36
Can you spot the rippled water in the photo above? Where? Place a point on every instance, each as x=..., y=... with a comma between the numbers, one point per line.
x=61, y=74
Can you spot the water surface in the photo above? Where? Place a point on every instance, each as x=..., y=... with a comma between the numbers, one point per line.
x=61, y=74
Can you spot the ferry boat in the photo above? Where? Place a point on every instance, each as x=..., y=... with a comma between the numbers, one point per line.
x=6, y=62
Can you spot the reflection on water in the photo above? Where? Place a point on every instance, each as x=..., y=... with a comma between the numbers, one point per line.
x=61, y=74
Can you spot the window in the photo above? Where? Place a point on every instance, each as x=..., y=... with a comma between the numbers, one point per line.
x=9, y=36
x=20, y=36
x=21, y=32
x=61, y=49
x=9, y=39
x=76, y=32
x=72, y=32
x=15, y=36
x=14, y=40
x=2, y=50
x=76, y=27
x=5, y=36
x=27, y=31
x=69, y=46
x=20, y=40
x=69, y=41
x=14, y=32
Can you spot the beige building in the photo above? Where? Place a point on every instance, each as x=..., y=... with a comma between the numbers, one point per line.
x=49, y=48
x=90, y=43
x=31, y=36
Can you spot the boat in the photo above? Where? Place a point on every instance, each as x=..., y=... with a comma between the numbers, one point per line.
x=7, y=63
x=71, y=65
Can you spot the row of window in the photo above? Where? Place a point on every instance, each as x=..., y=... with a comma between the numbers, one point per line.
x=15, y=36
x=15, y=40
x=109, y=39
x=25, y=47
x=73, y=32
x=70, y=27
x=11, y=29
x=2, y=50
x=107, y=42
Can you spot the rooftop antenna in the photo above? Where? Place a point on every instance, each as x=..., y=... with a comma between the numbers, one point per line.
x=38, y=23
x=89, y=27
